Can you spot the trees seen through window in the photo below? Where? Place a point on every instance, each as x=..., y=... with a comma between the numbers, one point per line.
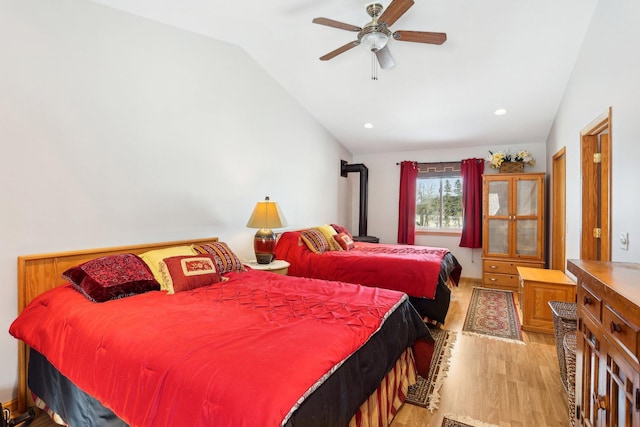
x=439, y=203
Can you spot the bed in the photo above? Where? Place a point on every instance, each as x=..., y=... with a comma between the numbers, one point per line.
x=423, y=273
x=255, y=348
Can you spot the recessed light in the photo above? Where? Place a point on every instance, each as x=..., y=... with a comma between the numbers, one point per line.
x=500, y=112
x=368, y=125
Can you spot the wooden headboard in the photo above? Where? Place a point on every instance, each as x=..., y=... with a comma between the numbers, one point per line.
x=39, y=273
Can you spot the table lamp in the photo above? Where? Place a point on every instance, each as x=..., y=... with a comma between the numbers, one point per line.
x=266, y=215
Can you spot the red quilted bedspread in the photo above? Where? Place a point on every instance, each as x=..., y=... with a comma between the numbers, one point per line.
x=410, y=269
x=241, y=352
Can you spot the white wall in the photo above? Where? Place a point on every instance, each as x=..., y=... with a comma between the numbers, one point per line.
x=116, y=130
x=605, y=75
x=384, y=184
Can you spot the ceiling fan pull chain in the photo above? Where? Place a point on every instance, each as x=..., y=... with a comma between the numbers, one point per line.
x=374, y=68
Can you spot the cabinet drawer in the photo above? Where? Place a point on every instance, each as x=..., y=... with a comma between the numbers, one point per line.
x=589, y=302
x=507, y=267
x=508, y=280
x=499, y=267
x=621, y=330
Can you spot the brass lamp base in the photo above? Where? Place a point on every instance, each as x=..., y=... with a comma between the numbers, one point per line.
x=264, y=243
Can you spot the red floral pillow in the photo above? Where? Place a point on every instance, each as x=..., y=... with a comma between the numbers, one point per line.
x=345, y=241
x=341, y=229
x=226, y=260
x=187, y=272
x=112, y=277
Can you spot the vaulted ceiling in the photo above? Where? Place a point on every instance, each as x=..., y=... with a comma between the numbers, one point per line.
x=511, y=54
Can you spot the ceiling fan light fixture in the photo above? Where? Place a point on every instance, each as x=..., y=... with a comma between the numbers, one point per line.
x=376, y=33
x=375, y=40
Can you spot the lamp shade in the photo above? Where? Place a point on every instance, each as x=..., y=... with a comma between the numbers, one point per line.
x=267, y=214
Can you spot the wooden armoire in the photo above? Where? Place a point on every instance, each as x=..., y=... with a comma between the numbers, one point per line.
x=513, y=228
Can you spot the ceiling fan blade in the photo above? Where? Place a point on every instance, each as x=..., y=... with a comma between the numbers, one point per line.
x=336, y=24
x=384, y=58
x=394, y=11
x=339, y=50
x=420, y=37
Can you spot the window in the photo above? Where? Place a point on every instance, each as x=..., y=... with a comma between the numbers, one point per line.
x=439, y=197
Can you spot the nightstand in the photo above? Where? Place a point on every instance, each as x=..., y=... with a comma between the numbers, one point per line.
x=538, y=286
x=278, y=266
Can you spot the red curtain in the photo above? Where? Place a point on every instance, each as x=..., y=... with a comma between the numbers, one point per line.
x=472, y=170
x=407, y=204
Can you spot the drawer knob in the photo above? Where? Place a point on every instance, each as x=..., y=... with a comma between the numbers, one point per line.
x=615, y=327
x=493, y=279
x=587, y=300
x=493, y=266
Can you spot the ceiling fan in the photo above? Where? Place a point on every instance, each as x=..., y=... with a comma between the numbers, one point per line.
x=376, y=33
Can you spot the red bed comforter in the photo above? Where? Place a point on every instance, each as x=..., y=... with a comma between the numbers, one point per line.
x=410, y=269
x=158, y=360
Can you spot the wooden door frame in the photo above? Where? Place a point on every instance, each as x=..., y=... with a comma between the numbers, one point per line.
x=596, y=199
x=559, y=214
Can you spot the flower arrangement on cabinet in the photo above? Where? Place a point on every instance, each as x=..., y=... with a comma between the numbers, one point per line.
x=497, y=158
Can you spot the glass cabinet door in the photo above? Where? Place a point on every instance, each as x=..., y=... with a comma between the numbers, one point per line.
x=526, y=197
x=526, y=218
x=527, y=237
x=498, y=198
x=498, y=237
x=498, y=217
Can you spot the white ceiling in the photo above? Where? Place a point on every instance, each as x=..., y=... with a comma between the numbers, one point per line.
x=513, y=54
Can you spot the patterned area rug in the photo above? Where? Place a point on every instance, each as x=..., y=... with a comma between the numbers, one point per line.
x=492, y=313
x=451, y=420
x=425, y=392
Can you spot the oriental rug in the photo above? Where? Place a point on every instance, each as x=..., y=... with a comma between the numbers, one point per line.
x=426, y=391
x=451, y=420
x=492, y=313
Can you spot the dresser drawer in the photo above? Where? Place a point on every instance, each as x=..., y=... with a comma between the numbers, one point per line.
x=495, y=266
x=621, y=330
x=589, y=302
x=499, y=267
x=502, y=280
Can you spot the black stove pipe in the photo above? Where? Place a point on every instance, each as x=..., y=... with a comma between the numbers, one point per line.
x=345, y=169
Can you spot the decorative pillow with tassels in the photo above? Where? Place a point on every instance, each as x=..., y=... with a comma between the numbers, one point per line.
x=341, y=229
x=225, y=258
x=345, y=241
x=112, y=277
x=184, y=273
x=315, y=241
x=328, y=232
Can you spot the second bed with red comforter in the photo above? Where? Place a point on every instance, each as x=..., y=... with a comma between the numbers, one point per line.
x=419, y=271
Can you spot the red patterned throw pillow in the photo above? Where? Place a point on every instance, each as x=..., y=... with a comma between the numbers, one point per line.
x=184, y=273
x=315, y=241
x=112, y=277
x=345, y=241
x=226, y=260
x=341, y=229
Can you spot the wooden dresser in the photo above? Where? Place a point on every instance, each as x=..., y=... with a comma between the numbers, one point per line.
x=512, y=227
x=607, y=365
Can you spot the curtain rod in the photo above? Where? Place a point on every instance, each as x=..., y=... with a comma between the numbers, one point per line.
x=434, y=163
x=455, y=161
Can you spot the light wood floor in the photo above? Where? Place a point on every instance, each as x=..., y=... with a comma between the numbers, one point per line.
x=489, y=380
x=494, y=381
